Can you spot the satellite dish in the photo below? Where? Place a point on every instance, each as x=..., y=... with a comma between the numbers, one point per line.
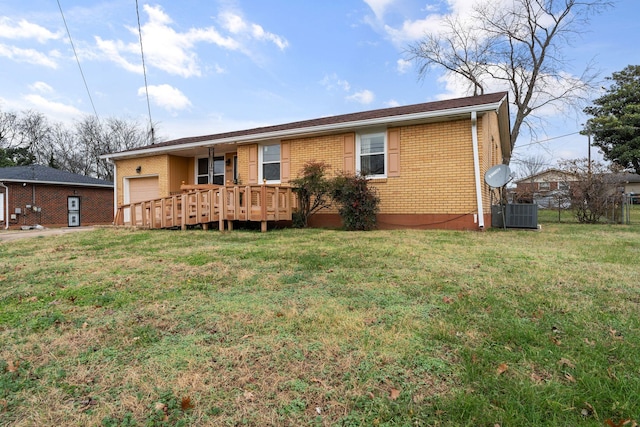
x=497, y=176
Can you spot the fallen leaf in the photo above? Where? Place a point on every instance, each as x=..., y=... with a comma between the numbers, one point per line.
x=370, y=395
x=618, y=424
x=84, y=325
x=318, y=410
x=13, y=366
x=556, y=341
x=566, y=362
x=185, y=403
x=569, y=378
x=159, y=406
x=249, y=395
x=447, y=300
x=586, y=340
x=394, y=394
x=244, y=337
x=535, y=378
x=502, y=368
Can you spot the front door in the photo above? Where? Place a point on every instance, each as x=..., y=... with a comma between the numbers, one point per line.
x=73, y=211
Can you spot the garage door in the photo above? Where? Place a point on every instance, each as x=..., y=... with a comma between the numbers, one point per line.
x=141, y=189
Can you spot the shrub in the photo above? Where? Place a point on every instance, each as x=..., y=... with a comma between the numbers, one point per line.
x=359, y=203
x=313, y=190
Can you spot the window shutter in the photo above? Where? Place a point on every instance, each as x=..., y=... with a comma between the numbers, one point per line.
x=253, y=164
x=393, y=150
x=285, y=162
x=349, y=166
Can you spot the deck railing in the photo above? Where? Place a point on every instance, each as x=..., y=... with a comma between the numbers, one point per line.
x=204, y=205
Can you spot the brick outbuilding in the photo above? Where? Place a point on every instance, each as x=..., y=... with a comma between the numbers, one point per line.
x=39, y=195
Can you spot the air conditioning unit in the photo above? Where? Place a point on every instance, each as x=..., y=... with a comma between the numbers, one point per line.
x=521, y=215
x=514, y=215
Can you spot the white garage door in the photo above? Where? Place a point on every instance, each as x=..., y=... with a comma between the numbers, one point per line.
x=140, y=190
x=145, y=188
x=1, y=206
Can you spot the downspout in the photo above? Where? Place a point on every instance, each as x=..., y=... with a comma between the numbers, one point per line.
x=476, y=167
x=6, y=206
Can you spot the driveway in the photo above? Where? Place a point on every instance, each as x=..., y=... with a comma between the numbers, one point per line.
x=9, y=235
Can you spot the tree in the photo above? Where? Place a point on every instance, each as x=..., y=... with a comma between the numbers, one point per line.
x=313, y=191
x=518, y=46
x=615, y=125
x=591, y=189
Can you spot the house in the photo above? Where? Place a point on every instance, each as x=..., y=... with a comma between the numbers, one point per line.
x=425, y=160
x=36, y=194
x=546, y=188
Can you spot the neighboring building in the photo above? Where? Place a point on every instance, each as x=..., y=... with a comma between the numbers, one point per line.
x=427, y=162
x=629, y=183
x=39, y=195
x=547, y=189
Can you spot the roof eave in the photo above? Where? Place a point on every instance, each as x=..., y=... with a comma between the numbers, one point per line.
x=305, y=131
x=32, y=181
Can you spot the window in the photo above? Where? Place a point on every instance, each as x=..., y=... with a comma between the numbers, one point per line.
x=218, y=171
x=544, y=186
x=371, y=154
x=270, y=163
x=563, y=186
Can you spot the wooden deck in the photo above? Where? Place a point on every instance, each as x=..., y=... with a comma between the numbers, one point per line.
x=207, y=205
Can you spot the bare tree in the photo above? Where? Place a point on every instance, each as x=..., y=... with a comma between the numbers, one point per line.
x=591, y=189
x=516, y=46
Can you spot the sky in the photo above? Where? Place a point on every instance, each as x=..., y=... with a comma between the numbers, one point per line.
x=219, y=65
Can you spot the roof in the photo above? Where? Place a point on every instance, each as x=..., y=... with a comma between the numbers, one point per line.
x=46, y=175
x=553, y=171
x=386, y=116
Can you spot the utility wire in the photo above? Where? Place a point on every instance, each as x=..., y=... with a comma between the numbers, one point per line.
x=144, y=71
x=78, y=61
x=547, y=140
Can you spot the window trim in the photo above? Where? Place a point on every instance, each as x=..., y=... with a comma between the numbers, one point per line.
x=385, y=153
x=261, y=163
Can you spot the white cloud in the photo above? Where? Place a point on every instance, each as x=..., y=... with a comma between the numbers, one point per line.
x=55, y=109
x=333, y=82
x=41, y=87
x=25, y=30
x=29, y=56
x=392, y=103
x=236, y=24
x=378, y=6
x=363, y=97
x=167, y=97
x=403, y=66
x=176, y=52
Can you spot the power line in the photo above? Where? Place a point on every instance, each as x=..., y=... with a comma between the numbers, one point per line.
x=144, y=71
x=547, y=140
x=78, y=61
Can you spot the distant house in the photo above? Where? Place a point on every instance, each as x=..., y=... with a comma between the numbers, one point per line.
x=427, y=162
x=547, y=188
x=39, y=195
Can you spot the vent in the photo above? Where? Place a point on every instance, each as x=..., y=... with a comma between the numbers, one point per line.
x=521, y=215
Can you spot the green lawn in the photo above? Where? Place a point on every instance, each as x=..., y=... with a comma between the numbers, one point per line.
x=116, y=327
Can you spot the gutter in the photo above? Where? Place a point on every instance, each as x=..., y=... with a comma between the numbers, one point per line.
x=257, y=137
x=6, y=206
x=476, y=167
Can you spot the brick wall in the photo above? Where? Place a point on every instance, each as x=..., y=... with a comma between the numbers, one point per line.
x=96, y=204
x=149, y=166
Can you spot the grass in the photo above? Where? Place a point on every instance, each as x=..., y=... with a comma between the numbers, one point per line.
x=117, y=327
